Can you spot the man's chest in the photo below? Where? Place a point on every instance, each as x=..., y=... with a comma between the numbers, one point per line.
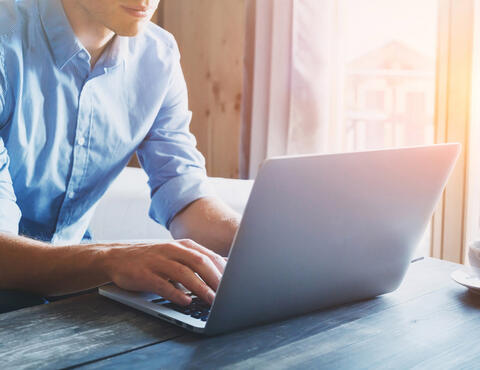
x=68, y=115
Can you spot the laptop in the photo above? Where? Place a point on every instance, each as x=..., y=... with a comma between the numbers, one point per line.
x=317, y=231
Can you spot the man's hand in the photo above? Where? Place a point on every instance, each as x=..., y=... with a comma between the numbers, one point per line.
x=154, y=268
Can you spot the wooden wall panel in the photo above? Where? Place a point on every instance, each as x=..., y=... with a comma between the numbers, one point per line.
x=210, y=35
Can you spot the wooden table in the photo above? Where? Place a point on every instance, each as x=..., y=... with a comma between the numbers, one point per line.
x=429, y=322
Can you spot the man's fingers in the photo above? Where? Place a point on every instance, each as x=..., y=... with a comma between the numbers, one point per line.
x=165, y=289
x=184, y=275
x=217, y=260
x=198, y=263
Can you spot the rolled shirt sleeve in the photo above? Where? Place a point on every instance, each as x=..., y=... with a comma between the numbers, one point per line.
x=9, y=211
x=168, y=154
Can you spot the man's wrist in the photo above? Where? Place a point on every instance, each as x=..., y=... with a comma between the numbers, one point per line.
x=88, y=262
x=101, y=259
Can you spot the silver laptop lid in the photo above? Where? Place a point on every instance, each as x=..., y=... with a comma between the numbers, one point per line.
x=327, y=229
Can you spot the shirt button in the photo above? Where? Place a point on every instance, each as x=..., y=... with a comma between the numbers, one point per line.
x=83, y=55
x=71, y=195
x=81, y=141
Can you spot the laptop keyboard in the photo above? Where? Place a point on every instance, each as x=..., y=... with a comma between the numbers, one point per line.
x=198, y=309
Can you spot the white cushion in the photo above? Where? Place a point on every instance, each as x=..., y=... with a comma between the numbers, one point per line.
x=122, y=213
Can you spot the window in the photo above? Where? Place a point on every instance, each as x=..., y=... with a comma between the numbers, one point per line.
x=389, y=76
x=375, y=101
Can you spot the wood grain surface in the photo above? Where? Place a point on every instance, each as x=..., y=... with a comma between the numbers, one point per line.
x=429, y=322
x=75, y=331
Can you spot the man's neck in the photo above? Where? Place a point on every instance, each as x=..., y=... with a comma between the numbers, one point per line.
x=93, y=36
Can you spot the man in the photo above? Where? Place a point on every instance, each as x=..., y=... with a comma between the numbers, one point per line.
x=83, y=85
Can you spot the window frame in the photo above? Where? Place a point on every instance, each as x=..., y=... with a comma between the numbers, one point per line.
x=452, y=124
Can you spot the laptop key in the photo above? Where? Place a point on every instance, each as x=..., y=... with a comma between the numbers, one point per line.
x=204, y=316
x=197, y=309
x=175, y=307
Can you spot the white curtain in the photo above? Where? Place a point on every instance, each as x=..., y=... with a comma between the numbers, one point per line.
x=292, y=72
x=311, y=76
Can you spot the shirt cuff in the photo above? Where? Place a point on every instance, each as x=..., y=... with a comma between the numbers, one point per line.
x=9, y=216
x=176, y=194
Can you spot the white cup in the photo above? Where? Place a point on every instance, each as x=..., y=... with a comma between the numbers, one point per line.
x=474, y=257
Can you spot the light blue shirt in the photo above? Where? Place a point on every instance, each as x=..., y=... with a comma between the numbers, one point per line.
x=66, y=132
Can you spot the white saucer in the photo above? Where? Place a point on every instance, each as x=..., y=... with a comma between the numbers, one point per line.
x=467, y=279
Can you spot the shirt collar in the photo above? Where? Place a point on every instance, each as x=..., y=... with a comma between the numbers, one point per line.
x=64, y=44
x=116, y=52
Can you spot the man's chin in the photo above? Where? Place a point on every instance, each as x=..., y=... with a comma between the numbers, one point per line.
x=131, y=31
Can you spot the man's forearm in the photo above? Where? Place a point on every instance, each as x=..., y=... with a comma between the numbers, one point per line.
x=34, y=266
x=208, y=221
